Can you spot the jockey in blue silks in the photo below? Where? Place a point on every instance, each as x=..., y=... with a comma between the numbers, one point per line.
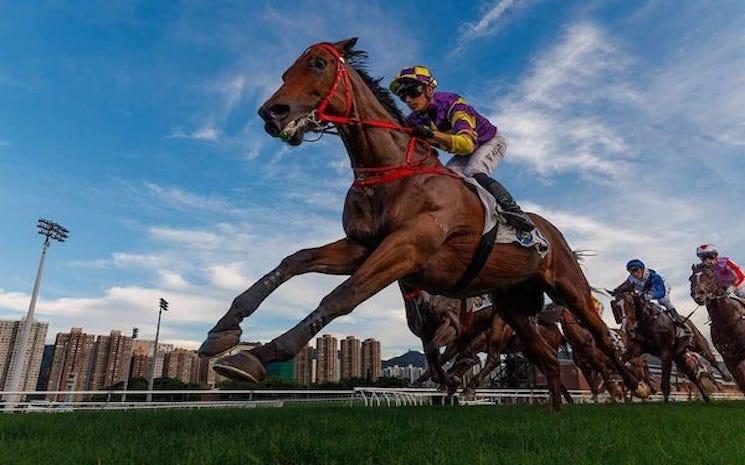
x=651, y=286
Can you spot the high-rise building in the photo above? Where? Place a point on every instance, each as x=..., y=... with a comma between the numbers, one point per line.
x=182, y=365
x=73, y=355
x=371, y=363
x=9, y=333
x=142, y=352
x=140, y=366
x=206, y=376
x=111, y=360
x=46, y=367
x=303, y=369
x=327, y=359
x=409, y=373
x=351, y=358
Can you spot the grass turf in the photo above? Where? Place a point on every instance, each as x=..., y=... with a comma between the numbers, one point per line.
x=686, y=433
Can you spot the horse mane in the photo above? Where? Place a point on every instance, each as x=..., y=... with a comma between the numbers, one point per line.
x=357, y=59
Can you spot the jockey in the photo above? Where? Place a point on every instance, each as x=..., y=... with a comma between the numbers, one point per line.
x=728, y=272
x=450, y=123
x=651, y=286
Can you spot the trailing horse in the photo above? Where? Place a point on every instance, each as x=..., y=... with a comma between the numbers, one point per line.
x=655, y=333
x=727, y=320
x=445, y=322
x=592, y=362
x=406, y=218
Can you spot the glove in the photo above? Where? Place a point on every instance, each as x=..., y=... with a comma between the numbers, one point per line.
x=422, y=132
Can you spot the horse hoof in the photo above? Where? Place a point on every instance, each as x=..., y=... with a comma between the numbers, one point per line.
x=219, y=342
x=643, y=390
x=243, y=366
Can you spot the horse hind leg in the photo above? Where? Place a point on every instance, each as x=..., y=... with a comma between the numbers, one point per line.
x=536, y=348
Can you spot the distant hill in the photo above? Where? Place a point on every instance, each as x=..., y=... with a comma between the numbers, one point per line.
x=411, y=357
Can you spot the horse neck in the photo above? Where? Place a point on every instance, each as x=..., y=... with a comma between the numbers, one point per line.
x=723, y=311
x=368, y=146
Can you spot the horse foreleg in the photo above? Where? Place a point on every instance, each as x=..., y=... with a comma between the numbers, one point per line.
x=340, y=257
x=498, y=337
x=738, y=372
x=667, y=365
x=691, y=375
x=400, y=254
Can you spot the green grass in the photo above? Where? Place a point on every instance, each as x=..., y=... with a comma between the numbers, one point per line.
x=685, y=433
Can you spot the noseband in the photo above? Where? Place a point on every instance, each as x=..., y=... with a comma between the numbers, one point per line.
x=372, y=175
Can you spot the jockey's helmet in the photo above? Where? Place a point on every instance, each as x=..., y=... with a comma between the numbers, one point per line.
x=413, y=75
x=707, y=251
x=634, y=264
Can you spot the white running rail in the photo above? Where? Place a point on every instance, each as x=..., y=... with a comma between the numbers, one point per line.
x=66, y=401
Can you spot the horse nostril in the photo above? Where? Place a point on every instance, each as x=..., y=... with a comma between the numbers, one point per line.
x=264, y=114
x=279, y=111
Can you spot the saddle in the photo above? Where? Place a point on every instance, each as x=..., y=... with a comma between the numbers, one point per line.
x=496, y=231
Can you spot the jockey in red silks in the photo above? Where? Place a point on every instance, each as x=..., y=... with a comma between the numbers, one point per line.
x=728, y=272
x=450, y=123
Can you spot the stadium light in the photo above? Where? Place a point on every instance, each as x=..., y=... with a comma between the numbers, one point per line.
x=51, y=231
x=163, y=308
x=128, y=368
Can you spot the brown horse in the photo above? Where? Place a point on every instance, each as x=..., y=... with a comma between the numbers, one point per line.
x=656, y=334
x=500, y=339
x=406, y=218
x=592, y=362
x=443, y=322
x=727, y=320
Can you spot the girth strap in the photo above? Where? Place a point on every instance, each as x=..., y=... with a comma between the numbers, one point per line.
x=486, y=244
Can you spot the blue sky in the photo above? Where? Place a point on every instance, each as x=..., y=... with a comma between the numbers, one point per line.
x=134, y=125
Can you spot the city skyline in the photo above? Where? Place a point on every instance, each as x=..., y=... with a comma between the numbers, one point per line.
x=83, y=361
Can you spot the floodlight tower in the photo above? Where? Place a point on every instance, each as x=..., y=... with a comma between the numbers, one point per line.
x=51, y=231
x=128, y=368
x=151, y=379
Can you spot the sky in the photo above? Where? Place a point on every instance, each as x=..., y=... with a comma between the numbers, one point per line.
x=134, y=125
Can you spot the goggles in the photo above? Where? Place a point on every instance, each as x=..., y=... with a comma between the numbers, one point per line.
x=411, y=91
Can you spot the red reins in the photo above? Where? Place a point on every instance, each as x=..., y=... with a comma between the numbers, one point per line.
x=379, y=174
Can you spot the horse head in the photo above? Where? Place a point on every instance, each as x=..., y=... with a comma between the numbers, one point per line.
x=704, y=284
x=625, y=305
x=317, y=81
x=427, y=310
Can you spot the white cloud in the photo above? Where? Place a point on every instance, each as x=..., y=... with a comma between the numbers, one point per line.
x=229, y=277
x=171, y=280
x=492, y=20
x=207, y=132
x=182, y=200
x=556, y=118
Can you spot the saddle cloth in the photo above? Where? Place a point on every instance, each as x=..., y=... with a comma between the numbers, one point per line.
x=506, y=234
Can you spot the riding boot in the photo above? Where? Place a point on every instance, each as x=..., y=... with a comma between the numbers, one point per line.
x=511, y=210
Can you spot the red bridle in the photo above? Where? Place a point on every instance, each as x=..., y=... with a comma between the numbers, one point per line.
x=379, y=174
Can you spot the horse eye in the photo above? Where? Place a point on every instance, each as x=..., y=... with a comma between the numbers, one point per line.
x=318, y=63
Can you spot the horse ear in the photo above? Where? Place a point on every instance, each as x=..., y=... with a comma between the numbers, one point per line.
x=346, y=46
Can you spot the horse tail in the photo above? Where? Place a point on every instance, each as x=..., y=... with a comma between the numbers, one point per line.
x=581, y=254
